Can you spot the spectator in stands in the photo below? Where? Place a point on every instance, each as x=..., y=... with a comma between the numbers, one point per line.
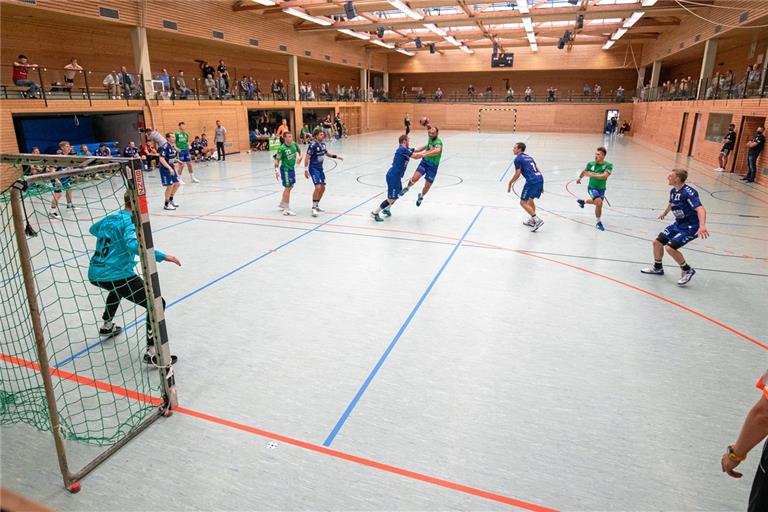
x=438, y=94
x=753, y=81
x=222, y=69
x=597, y=90
x=256, y=88
x=310, y=92
x=403, y=92
x=471, y=92
x=221, y=85
x=206, y=68
x=21, y=69
x=166, y=79
x=275, y=90
x=149, y=154
x=253, y=137
x=211, y=87
x=70, y=70
x=551, y=93
x=420, y=97
x=103, y=150
x=84, y=151
x=181, y=85
x=489, y=92
x=620, y=94
x=587, y=90
x=625, y=127
x=112, y=83
x=281, y=88
x=246, y=90
x=126, y=81
x=510, y=94
x=528, y=93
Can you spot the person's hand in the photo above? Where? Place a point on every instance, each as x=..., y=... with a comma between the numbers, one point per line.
x=578, y=181
x=509, y=187
x=306, y=173
x=664, y=214
x=702, y=232
x=172, y=259
x=340, y=157
x=728, y=465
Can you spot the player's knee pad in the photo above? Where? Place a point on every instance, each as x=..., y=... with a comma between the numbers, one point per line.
x=662, y=239
x=674, y=244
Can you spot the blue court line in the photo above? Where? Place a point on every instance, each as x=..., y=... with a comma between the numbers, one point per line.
x=380, y=363
x=506, y=170
x=133, y=324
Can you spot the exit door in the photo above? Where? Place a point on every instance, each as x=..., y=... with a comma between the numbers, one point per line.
x=682, y=132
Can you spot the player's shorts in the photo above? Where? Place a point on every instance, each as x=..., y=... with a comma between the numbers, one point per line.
x=428, y=170
x=287, y=177
x=66, y=184
x=595, y=193
x=166, y=178
x=532, y=190
x=184, y=155
x=676, y=235
x=394, y=186
x=317, y=175
x=726, y=150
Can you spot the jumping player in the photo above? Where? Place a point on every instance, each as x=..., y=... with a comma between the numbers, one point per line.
x=690, y=223
x=598, y=172
x=534, y=184
x=182, y=144
x=395, y=177
x=169, y=173
x=288, y=156
x=729, y=141
x=313, y=166
x=112, y=269
x=430, y=154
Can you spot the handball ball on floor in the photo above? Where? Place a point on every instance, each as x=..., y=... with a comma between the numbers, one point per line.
x=424, y=121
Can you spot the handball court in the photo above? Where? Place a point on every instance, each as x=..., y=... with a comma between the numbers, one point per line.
x=447, y=358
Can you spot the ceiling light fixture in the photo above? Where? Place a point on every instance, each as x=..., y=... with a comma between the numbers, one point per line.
x=466, y=49
x=264, y=2
x=633, y=19
x=434, y=28
x=397, y=4
x=528, y=24
x=308, y=17
x=620, y=32
x=648, y=3
x=359, y=35
x=522, y=6
x=608, y=44
x=453, y=41
x=405, y=52
x=382, y=43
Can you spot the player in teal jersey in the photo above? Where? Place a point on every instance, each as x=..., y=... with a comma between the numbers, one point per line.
x=598, y=172
x=288, y=156
x=112, y=269
x=430, y=159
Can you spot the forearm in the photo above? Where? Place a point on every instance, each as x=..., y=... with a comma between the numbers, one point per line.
x=667, y=209
x=755, y=428
x=702, y=214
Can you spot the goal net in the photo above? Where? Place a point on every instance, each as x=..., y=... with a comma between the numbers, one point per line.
x=497, y=119
x=58, y=373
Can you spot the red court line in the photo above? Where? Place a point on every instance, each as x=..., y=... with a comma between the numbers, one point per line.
x=413, y=475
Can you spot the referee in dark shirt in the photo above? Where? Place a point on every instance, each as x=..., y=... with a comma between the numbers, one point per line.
x=755, y=148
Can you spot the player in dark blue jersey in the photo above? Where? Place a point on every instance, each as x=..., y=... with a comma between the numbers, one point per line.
x=169, y=172
x=534, y=184
x=395, y=177
x=313, y=166
x=690, y=223
x=130, y=151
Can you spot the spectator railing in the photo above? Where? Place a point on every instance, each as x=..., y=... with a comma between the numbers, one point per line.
x=715, y=88
x=571, y=96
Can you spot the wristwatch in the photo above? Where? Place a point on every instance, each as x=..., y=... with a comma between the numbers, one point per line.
x=734, y=456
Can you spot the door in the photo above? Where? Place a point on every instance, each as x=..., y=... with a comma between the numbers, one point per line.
x=682, y=132
x=692, y=144
x=610, y=114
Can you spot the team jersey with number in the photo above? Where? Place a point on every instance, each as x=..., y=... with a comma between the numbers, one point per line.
x=182, y=139
x=168, y=152
x=116, y=248
x=130, y=152
x=400, y=161
x=287, y=155
x=597, y=168
x=316, y=152
x=683, y=204
x=528, y=168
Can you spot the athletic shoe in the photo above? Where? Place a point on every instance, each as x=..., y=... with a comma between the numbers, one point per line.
x=182, y=182
x=314, y=212
x=686, y=276
x=109, y=332
x=319, y=209
x=536, y=225
x=288, y=213
x=72, y=207
x=375, y=216
x=282, y=206
x=402, y=192
x=653, y=270
x=528, y=223
x=386, y=212
x=152, y=359
x=581, y=203
x=175, y=204
x=600, y=226
x=169, y=207
x=719, y=169
x=744, y=179
x=419, y=199
x=54, y=215
x=195, y=180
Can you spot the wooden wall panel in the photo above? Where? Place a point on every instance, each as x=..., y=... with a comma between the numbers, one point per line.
x=735, y=59
x=318, y=72
x=453, y=83
x=351, y=117
x=547, y=58
x=659, y=123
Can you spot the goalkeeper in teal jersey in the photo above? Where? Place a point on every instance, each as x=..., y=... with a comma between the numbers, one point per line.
x=598, y=172
x=112, y=269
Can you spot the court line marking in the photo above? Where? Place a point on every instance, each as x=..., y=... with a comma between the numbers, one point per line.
x=370, y=463
x=345, y=415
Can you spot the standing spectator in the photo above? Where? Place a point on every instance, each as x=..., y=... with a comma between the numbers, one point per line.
x=729, y=141
x=222, y=69
x=438, y=94
x=753, y=431
x=489, y=92
x=275, y=90
x=206, y=68
x=70, y=70
x=21, y=69
x=166, y=79
x=220, y=137
x=310, y=92
x=126, y=80
x=282, y=129
x=755, y=148
x=587, y=90
x=407, y=123
x=471, y=92
x=281, y=90
x=420, y=97
x=528, y=93
x=245, y=90
x=210, y=85
x=112, y=83
x=510, y=94
x=597, y=90
x=403, y=92
x=620, y=94
x=221, y=85
x=551, y=93
x=303, y=91
x=753, y=80
x=181, y=86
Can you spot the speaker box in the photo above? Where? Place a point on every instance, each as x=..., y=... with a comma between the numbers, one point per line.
x=380, y=32
x=432, y=48
x=561, y=44
x=418, y=42
x=580, y=21
x=349, y=10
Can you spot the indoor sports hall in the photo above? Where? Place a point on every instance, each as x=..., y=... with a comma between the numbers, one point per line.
x=384, y=255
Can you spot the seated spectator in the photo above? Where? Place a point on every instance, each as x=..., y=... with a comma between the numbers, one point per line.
x=551, y=93
x=471, y=92
x=305, y=134
x=420, y=97
x=149, y=154
x=70, y=70
x=586, y=90
x=597, y=90
x=438, y=94
x=21, y=69
x=253, y=136
x=206, y=149
x=181, y=85
x=488, y=92
x=196, y=148
x=212, y=87
x=112, y=83
x=103, y=150
x=206, y=68
x=126, y=81
x=620, y=94
x=510, y=94
x=84, y=151
x=130, y=151
x=625, y=126
x=528, y=93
